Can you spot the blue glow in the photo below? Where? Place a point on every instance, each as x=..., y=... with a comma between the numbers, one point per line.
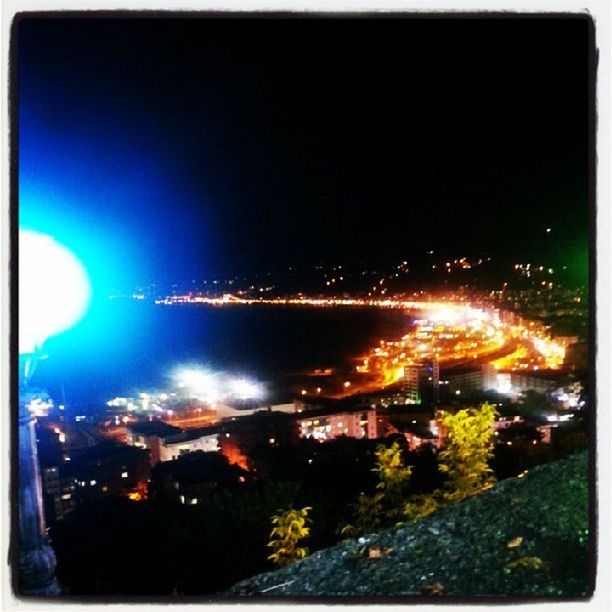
x=86, y=199
x=54, y=290
x=105, y=176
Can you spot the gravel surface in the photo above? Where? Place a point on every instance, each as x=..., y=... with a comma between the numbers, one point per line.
x=527, y=537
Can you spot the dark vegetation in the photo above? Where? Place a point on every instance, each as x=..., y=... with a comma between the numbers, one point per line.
x=162, y=547
x=526, y=537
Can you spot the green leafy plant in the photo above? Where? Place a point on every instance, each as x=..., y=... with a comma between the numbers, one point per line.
x=290, y=527
x=386, y=505
x=393, y=475
x=465, y=460
x=469, y=446
x=421, y=505
x=368, y=515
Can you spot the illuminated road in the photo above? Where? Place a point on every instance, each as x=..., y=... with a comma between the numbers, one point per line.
x=508, y=349
x=453, y=333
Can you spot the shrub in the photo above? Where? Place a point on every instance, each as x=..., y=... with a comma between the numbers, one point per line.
x=290, y=527
x=368, y=515
x=422, y=505
x=386, y=505
x=469, y=446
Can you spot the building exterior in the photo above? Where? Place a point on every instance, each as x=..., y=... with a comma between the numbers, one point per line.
x=465, y=382
x=420, y=383
x=108, y=469
x=486, y=378
x=530, y=382
x=328, y=424
x=418, y=436
x=194, y=476
x=174, y=445
x=58, y=493
x=224, y=411
x=410, y=387
x=166, y=442
x=435, y=374
x=237, y=437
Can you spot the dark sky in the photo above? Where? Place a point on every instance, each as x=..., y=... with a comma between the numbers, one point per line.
x=174, y=149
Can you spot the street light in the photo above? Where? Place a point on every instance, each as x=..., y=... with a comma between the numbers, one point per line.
x=54, y=290
x=54, y=293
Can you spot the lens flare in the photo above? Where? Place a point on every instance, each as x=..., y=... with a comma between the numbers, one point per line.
x=54, y=290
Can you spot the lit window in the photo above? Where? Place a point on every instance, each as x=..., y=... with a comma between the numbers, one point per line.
x=66, y=496
x=92, y=482
x=124, y=474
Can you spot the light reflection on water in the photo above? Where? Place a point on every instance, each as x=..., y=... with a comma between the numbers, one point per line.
x=129, y=345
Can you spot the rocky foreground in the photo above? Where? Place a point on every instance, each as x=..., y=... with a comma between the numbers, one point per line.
x=527, y=537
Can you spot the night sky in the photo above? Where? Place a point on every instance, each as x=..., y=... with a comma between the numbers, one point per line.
x=177, y=149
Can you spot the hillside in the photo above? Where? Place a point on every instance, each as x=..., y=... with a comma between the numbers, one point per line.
x=527, y=537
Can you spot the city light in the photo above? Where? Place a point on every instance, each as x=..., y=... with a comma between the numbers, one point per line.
x=200, y=382
x=246, y=389
x=213, y=387
x=444, y=313
x=54, y=290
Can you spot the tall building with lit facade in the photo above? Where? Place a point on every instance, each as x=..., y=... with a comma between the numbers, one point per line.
x=410, y=387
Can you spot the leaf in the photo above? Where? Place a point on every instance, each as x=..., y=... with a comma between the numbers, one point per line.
x=515, y=542
x=376, y=552
x=525, y=563
x=433, y=588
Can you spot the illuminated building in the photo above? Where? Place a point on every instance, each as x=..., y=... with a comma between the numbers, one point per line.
x=166, y=442
x=175, y=445
x=540, y=382
x=149, y=435
x=418, y=436
x=489, y=377
x=329, y=423
x=473, y=381
x=410, y=386
x=435, y=375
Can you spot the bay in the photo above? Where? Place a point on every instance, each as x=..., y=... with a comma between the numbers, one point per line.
x=126, y=346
